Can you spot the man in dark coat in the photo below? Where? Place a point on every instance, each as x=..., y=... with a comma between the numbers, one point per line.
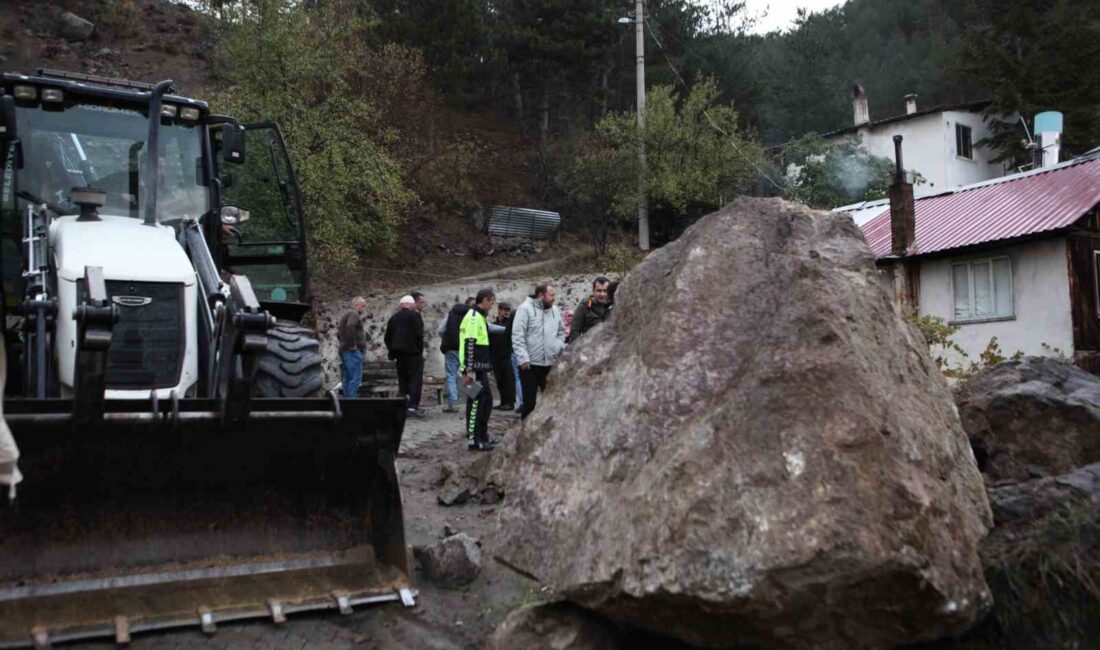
x=448, y=345
x=405, y=342
x=594, y=310
x=500, y=348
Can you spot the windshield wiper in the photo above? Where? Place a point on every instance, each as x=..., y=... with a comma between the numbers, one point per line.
x=53, y=207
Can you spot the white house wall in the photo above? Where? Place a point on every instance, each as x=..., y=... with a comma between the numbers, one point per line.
x=960, y=171
x=928, y=147
x=1040, y=293
x=922, y=146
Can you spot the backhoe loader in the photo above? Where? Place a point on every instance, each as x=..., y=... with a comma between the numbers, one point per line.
x=181, y=463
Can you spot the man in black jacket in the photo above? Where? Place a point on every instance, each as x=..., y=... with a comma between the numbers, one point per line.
x=500, y=348
x=594, y=310
x=405, y=342
x=448, y=345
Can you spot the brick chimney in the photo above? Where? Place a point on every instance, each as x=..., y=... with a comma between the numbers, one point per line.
x=903, y=210
x=860, y=111
x=910, y=104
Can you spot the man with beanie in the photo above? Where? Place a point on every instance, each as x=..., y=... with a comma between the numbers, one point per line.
x=404, y=340
x=475, y=362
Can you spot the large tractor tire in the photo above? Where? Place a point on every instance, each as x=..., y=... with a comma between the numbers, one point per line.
x=291, y=366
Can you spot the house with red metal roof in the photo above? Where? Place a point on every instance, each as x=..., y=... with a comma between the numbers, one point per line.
x=1016, y=258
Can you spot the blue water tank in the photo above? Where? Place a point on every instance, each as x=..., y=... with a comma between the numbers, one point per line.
x=1048, y=121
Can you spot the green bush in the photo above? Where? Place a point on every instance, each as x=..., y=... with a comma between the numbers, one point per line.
x=294, y=63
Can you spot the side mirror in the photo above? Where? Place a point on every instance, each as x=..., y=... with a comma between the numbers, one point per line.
x=233, y=216
x=7, y=118
x=233, y=143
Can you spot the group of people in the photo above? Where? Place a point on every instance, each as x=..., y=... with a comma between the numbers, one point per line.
x=519, y=347
x=404, y=341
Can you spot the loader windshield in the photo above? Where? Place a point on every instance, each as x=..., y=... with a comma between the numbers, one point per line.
x=88, y=145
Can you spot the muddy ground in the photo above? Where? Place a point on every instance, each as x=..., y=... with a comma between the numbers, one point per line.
x=443, y=618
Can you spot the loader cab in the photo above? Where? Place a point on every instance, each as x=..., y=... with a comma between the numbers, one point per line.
x=269, y=247
x=64, y=134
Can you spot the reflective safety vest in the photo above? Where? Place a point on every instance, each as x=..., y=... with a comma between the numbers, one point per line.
x=473, y=337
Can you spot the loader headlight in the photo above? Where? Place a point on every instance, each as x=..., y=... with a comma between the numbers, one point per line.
x=232, y=215
x=167, y=110
x=25, y=92
x=190, y=114
x=53, y=95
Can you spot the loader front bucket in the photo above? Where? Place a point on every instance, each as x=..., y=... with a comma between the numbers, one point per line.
x=159, y=517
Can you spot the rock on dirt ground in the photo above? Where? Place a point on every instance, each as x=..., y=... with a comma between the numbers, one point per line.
x=756, y=450
x=458, y=486
x=73, y=27
x=554, y=626
x=454, y=561
x=1029, y=418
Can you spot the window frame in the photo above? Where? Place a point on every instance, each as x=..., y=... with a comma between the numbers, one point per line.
x=990, y=263
x=959, y=141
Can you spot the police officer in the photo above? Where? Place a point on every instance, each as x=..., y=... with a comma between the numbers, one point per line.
x=475, y=361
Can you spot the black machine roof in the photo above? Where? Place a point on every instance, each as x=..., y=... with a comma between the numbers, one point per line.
x=90, y=85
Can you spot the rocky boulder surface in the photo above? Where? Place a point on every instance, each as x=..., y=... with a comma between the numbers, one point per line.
x=73, y=27
x=755, y=451
x=1031, y=418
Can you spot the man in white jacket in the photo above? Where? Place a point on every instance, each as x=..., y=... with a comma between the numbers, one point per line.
x=538, y=337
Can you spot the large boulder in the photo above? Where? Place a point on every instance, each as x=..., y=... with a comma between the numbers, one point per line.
x=756, y=450
x=1035, y=416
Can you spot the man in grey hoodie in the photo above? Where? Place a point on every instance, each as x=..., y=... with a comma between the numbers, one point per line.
x=538, y=337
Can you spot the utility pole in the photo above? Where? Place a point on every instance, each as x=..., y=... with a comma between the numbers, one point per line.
x=639, y=49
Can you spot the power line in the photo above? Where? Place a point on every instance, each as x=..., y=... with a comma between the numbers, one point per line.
x=706, y=113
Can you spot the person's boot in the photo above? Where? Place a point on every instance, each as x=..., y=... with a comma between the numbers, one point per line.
x=481, y=445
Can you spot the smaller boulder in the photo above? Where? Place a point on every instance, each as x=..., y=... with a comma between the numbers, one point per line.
x=1036, y=416
x=459, y=486
x=554, y=626
x=73, y=27
x=453, y=562
x=1042, y=562
x=1022, y=504
x=455, y=491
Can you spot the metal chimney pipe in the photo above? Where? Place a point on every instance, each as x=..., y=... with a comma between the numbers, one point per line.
x=903, y=209
x=899, y=168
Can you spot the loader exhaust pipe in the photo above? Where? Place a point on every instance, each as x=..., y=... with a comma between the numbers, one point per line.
x=152, y=160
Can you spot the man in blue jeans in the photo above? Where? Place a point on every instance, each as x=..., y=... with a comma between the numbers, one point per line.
x=448, y=335
x=353, y=343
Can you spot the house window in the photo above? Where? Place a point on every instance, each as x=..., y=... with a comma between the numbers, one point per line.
x=964, y=144
x=982, y=289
